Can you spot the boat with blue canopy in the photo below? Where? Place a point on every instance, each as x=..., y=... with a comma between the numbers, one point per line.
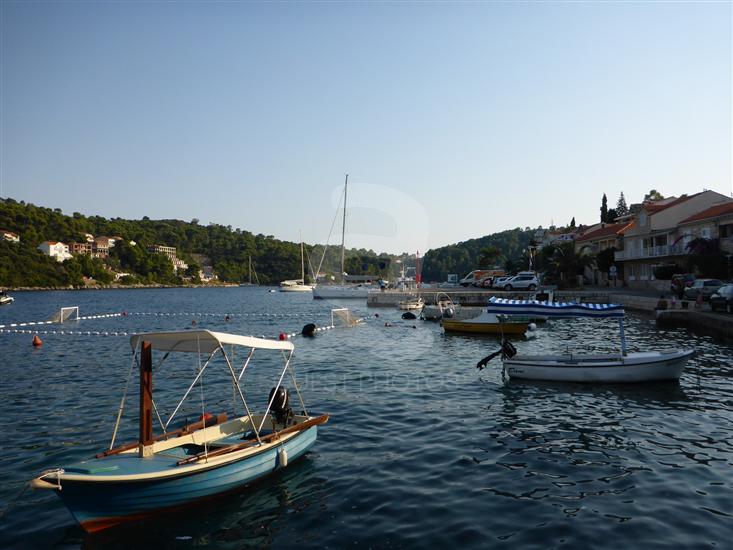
x=571, y=367
x=199, y=460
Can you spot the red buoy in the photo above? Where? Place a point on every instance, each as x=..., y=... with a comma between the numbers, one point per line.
x=37, y=342
x=283, y=336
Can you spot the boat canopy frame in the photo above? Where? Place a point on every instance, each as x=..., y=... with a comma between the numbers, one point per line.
x=211, y=344
x=503, y=306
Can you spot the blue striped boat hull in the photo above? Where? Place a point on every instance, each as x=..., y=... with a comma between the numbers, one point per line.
x=98, y=506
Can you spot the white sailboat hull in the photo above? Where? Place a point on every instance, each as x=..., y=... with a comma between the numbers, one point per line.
x=337, y=291
x=296, y=288
x=633, y=367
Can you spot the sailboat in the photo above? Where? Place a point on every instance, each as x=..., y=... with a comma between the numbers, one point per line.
x=297, y=285
x=250, y=283
x=359, y=290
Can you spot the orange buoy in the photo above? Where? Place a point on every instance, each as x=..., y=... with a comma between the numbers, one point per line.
x=37, y=342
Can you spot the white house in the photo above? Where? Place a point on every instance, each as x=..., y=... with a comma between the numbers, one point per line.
x=55, y=249
x=9, y=236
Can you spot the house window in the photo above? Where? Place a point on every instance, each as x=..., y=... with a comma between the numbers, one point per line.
x=705, y=233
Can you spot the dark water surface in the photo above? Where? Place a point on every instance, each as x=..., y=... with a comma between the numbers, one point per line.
x=421, y=450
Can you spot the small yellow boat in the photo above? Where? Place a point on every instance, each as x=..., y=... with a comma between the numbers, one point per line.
x=486, y=323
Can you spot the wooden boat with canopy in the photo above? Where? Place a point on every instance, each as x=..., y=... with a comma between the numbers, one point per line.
x=572, y=367
x=178, y=467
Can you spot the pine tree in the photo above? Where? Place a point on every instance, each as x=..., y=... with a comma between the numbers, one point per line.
x=621, y=208
x=572, y=223
x=604, y=208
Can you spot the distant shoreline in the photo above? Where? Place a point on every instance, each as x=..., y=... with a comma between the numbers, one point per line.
x=114, y=287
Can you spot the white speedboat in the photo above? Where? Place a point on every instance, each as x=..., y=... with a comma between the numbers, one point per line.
x=442, y=308
x=5, y=299
x=412, y=303
x=623, y=367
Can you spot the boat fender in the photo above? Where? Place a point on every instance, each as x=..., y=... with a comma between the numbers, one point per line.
x=408, y=315
x=37, y=342
x=309, y=330
x=282, y=457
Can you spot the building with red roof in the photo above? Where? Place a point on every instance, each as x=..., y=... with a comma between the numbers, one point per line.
x=659, y=236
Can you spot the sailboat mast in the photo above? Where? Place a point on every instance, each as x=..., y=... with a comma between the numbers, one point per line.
x=302, y=261
x=250, y=269
x=343, y=229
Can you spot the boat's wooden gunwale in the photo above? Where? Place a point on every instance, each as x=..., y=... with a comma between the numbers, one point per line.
x=186, y=469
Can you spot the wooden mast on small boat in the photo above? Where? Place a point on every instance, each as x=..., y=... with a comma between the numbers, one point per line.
x=146, y=400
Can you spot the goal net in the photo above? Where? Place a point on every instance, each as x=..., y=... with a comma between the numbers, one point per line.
x=65, y=314
x=343, y=317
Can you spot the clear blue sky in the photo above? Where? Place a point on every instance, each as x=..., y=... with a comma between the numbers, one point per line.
x=454, y=120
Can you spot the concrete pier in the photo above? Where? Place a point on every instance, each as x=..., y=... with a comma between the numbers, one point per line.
x=717, y=324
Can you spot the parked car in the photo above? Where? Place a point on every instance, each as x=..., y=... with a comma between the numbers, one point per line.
x=527, y=281
x=499, y=281
x=680, y=281
x=706, y=287
x=722, y=300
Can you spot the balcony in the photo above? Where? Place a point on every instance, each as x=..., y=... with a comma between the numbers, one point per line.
x=651, y=252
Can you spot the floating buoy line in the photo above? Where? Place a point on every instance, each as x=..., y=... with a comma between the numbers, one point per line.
x=308, y=330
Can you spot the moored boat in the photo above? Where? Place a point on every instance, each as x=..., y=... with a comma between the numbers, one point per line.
x=5, y=299
x=297, y=285
x=486, y=323
x=412, y=303
x=201, y=460
x=443, y=307
x=623, y=367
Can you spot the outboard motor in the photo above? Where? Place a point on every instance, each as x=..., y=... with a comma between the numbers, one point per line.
x=507, y=349
x=280, y=405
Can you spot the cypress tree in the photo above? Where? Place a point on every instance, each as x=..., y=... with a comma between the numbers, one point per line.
x=604, y=208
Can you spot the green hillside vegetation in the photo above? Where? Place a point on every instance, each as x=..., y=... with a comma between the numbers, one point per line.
x=228, y=249
x=505, y=249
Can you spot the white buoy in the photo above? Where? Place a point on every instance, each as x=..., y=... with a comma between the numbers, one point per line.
x=532, y=326
x=282, y=456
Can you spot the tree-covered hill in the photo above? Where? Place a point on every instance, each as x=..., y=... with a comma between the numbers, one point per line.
x=506, y=249
x=228, y=249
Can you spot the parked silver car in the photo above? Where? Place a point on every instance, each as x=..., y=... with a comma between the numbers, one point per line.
x=527, y=281
x=706, y=287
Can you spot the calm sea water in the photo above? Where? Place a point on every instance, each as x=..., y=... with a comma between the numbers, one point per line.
x=422, y=449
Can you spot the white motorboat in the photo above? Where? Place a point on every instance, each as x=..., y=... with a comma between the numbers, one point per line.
x=442, y=308
x=623, y=367
x=5, y=299
x=412, y=303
